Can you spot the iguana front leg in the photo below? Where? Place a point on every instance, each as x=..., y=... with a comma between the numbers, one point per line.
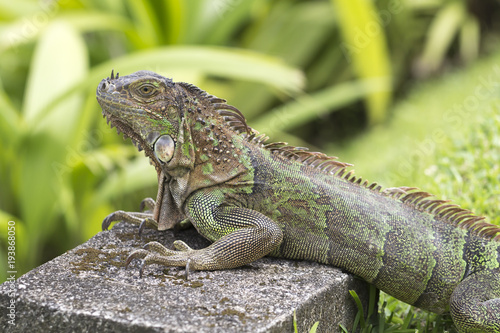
x=161, y=214
x=241, y=236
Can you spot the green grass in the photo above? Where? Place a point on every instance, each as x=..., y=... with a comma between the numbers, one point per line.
x=394, y=316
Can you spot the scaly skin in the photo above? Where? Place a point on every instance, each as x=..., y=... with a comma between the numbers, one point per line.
x=253, y=199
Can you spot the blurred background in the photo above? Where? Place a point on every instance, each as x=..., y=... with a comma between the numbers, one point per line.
x=407, y=90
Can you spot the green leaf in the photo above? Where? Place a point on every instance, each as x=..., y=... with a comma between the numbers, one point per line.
x=10, y=121
x=90, y=21
x=223, y=19
x=137, y=175
x=182, y=61
x=23, y=30
x=441, y=33
x=174, y=20
x=365, y=45
x=470, y=37
x=60, y=60
x=145, y=22
x=193, y=62
x=308, y=107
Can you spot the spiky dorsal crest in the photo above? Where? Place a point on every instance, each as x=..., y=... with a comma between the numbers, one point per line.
x=444, y=211
x=411, y=196
x=233, y=117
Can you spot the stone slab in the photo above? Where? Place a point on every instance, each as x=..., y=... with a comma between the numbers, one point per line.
x=87, y=289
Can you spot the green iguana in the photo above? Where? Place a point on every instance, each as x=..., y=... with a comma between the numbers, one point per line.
x=252, y=199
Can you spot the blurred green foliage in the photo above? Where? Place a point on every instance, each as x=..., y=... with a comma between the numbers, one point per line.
x=303, y=71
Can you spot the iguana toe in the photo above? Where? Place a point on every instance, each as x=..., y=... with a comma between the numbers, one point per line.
x=158, y=248
x=115, y=216
x=181, y=246
x=136, y=254
x=147, y=222
x=148, y=203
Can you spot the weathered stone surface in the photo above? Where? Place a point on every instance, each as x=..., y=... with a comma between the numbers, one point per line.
x=87, y=289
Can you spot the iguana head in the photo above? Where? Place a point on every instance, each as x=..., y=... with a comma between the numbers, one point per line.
x=187, y=134
x=147, y=108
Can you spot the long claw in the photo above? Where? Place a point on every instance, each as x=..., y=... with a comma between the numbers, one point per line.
x=106, y=223
x=132, y=217
x=141, y=270
x=186, y=272
x=147, y=222
x=136, y=254
x=141, y=227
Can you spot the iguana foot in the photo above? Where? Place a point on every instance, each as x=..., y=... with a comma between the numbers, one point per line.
x=148, y=203
x=156, y=253
x=143, y=218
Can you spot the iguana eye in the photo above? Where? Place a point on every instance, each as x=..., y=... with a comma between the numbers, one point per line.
x=164, y=148
x=146, y=90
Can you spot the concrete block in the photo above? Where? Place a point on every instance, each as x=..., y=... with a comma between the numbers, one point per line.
x=87, y=289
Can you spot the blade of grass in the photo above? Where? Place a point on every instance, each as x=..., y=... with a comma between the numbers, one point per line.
x=342, y=327
x=295, y=330
x=360, y=308
x=408, y=319
x=314, y=327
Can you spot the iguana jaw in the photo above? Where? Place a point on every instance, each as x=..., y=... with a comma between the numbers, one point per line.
x=122, y=127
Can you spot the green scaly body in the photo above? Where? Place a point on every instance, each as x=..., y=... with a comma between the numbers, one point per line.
x=253, y=199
